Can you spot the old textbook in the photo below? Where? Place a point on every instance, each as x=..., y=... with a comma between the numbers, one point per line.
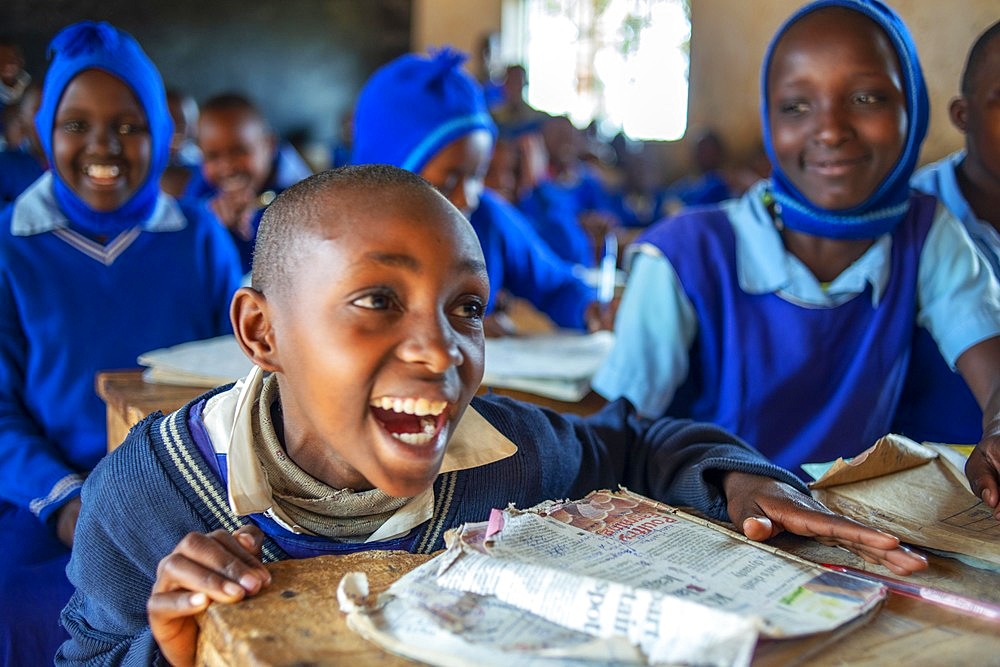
x=918, y=492
x=614, y=578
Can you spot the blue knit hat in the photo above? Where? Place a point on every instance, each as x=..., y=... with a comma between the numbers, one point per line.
x=91, y=45
x=413, y=107
x=887, y=206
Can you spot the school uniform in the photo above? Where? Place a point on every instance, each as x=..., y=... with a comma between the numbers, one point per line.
x=188, y=470
x=412, y=108
x=719, y=322
x=81, y=291
x=288, y=168
x=18, y=170
x=933, y=388
x=519, y=261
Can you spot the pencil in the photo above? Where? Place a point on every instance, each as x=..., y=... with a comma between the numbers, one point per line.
x=953, y=601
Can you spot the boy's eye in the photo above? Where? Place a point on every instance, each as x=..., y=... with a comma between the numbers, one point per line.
x=377, y=301
x=472, y=309
x=74, y=127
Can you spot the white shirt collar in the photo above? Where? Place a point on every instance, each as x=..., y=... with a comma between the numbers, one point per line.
x=37, y=212
x=764, y=266
x=228, y=416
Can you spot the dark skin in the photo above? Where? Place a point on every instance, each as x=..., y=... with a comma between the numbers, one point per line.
x=238, y=150
x=838, y=120
x=430, y=344
x=977, y=116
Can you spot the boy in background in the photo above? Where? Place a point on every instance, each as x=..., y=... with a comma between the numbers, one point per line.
x=358, y=429
x=244, y=166
x=968, y=183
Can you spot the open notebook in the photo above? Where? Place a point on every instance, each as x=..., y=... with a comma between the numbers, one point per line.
x=557, y=365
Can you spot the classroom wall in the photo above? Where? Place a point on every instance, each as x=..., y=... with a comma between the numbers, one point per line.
x=303, y=61
x=725, y=76
x=728, y=40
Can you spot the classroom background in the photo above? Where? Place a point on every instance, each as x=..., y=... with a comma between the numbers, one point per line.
x=303, y=61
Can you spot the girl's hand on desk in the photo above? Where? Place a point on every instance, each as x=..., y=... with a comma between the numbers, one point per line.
x=216, y=566
x=983, y=471
x=762, y=507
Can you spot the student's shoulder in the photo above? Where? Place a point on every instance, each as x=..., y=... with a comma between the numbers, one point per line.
x=158, y=450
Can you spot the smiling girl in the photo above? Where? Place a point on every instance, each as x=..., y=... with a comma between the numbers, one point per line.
x=96, y=267
x=787, y=315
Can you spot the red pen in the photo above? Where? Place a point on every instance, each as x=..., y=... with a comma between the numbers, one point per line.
x=953, y=601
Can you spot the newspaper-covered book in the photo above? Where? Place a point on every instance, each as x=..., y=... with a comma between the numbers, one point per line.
x=615, y=578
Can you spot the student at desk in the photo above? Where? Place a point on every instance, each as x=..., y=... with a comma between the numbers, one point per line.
x=787, y=315
x=357, y=430
x=96, y=267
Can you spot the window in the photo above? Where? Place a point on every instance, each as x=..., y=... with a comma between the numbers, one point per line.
x=623, y=63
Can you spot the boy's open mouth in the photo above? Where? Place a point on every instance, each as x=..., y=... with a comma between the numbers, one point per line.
x=414, y=421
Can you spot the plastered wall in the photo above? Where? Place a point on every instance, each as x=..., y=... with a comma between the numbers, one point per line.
x=727, y=45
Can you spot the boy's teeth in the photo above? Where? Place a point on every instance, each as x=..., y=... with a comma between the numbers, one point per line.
x=410, y=406
x=413, y=438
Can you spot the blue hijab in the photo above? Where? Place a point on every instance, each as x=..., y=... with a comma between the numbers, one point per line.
x=91, y=45
x=887, y=206
x=414, y=106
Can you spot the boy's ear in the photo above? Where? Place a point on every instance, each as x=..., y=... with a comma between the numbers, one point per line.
x=957, y=111
x=251, y=318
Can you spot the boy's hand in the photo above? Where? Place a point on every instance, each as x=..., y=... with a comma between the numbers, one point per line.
x=235, y=208
x=762, y=507
x=203, y=567
x=983, y=471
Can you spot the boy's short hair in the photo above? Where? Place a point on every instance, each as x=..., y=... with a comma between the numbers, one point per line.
x=977, y=56
x=295, y=215
x=232, y=101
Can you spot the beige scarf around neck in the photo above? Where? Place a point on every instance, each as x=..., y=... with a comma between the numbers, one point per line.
x=306, y=501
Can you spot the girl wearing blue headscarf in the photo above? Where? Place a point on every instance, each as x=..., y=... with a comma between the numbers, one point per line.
x=787, y=315
x=96, y=267
x=426, y=115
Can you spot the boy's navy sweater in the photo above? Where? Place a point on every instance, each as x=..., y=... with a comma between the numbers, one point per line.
x=157, y=487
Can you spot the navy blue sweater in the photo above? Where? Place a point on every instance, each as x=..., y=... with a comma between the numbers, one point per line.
x=144, y=497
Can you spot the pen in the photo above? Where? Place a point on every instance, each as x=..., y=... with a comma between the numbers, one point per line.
x=609, y=269
x=960, y=603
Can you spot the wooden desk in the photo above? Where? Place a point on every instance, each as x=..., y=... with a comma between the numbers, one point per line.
x=129, y=398
x=313, y=631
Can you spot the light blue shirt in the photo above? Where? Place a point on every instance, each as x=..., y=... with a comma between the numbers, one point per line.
x=656, y=322
x=940, y=179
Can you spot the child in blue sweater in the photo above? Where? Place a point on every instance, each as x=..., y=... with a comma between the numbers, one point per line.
x=787, y=315
x=243, y=166
x=358, y=429
x=96, y=267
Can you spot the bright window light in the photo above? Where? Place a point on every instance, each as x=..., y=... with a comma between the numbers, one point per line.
x=623, y=63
